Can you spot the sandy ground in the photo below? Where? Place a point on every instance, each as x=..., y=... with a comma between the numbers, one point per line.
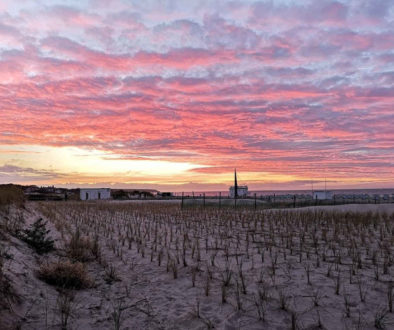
x=382, y=208
x=149, y=297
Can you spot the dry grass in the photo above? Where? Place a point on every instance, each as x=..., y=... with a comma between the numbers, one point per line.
x=253, y=259
x=65, y=274
x=65, y=305
x=7, y=292
x=10, y=194
x=80, y=248
x=11, y=198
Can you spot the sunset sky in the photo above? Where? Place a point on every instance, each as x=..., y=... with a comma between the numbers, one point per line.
x=174, y=95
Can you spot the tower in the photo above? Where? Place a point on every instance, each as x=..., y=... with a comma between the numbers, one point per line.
x=235, y=184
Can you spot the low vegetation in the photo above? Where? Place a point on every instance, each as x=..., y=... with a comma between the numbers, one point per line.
x=10, y=195
x=65, y=274
x=313, y=268
x=150, y=262
x=80, y=248
x=7, y=292
x=11, y=198
x=37, y=237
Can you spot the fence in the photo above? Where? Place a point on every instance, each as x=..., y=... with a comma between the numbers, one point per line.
x=278, y=201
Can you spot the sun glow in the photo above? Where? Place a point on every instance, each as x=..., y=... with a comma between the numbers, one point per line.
x=83, y=162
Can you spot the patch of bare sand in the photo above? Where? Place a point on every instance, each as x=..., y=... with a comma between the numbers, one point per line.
x=381, y=208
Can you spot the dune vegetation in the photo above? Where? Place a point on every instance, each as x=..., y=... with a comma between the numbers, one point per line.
x=155, y=265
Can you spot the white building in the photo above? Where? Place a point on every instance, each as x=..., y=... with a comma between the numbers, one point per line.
x=242, y=191
x=94, y=193
x=322, y=194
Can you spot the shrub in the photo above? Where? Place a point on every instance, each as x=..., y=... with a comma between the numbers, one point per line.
x=37, y=238
x=10, y=194
x=111, y=274
x=7, y=294
x=65, y=274
x=65, y=306
x=80, y=248
x=381, y=319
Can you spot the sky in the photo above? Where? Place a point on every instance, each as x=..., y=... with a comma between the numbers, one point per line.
x=174, y=95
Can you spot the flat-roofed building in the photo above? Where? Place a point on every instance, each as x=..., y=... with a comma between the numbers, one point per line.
x=242, y=191
x=322, y=194
x=91, y=194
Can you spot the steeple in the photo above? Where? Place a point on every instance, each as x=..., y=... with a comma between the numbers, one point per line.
x=235, y=184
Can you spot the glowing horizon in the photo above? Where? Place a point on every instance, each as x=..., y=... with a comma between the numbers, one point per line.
x=175, y=94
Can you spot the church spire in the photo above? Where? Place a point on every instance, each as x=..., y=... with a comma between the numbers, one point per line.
x=235, y=184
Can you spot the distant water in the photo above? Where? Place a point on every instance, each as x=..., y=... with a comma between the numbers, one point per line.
x=370, y=192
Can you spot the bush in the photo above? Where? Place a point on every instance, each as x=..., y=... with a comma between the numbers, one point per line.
x=65, y=274
x=80, y=248
x=37, y=238
x=7, y=293
x=10, y=194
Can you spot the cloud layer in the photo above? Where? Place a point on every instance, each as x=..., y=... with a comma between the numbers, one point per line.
x=302, y=90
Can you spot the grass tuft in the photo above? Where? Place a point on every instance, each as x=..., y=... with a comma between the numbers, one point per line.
x=65, y=274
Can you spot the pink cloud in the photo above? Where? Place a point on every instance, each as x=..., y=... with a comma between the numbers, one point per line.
x=287, y=90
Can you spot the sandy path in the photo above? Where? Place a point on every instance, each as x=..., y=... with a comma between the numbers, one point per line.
x=382, y=208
